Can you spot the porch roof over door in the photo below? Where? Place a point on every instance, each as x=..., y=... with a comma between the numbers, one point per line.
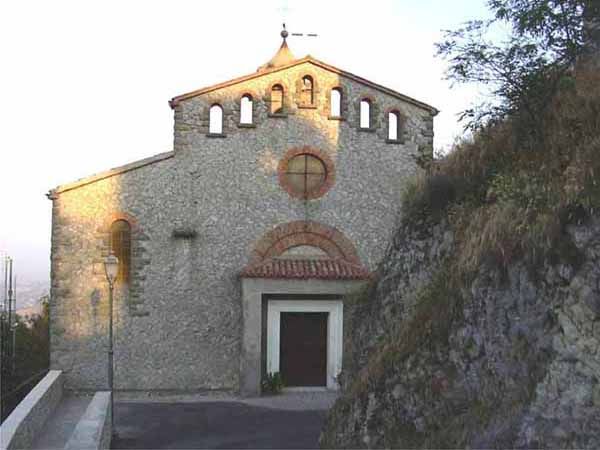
x=313, y=268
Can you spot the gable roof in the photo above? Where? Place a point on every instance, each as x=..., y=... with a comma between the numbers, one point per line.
x=109, y=173
x=307, y=59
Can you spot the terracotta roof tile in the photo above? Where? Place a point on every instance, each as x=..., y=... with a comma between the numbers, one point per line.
x=324, y=269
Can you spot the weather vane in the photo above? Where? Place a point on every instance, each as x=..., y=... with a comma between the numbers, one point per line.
x=285, y=34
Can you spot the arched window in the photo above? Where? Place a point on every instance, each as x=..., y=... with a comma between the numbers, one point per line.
x=120, y=246
x=336, y=102
x=365, y=113
x=215, y=120
x=393, y=125
x=307, y=96
x=277, y=99
x=246, y=109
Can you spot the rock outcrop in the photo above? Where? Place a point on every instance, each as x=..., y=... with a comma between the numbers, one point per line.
x=505, y=358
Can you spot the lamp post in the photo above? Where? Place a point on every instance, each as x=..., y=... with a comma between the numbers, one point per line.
x=111, y=267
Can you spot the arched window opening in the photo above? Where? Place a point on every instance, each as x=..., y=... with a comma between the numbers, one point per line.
x=336, y=102
x=215, y=120
x=120, y=246
x=365, y=114
x=277, y=99
x=393, y=123
x=246, y=109
x=307, y=97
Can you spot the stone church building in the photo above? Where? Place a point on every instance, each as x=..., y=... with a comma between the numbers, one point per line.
x=237, y=248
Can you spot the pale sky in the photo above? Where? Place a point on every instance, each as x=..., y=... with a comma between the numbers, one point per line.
x=84, y=84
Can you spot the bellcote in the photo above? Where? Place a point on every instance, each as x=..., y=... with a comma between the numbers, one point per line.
x=283, y=56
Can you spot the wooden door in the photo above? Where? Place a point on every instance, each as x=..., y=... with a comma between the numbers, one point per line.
x=303, y=348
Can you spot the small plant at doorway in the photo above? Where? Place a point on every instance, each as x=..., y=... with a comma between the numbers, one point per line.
x=272, y=383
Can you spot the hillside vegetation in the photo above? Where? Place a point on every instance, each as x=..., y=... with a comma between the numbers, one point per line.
x=482, y=326
x=509, y=193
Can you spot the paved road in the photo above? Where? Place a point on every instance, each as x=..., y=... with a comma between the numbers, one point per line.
x=215, y=424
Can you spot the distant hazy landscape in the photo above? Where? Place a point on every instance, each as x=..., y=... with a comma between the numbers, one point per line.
x=29, y=292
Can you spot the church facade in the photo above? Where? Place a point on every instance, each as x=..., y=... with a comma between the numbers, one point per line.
x=237, y=248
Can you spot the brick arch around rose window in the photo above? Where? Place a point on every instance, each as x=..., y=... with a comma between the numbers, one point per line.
x=301, y=232
x=133, y=291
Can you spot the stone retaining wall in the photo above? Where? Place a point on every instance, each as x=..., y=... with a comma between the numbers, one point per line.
x=28, y=418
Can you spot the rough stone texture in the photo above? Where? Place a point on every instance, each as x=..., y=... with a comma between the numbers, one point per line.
x=21, y=427
x=197, y=216
x=511, y=361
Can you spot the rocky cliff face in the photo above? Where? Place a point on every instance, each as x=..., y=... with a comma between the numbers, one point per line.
x=503, y=358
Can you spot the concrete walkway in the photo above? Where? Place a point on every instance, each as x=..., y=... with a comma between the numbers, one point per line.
x=286, y=421
x=61, y=424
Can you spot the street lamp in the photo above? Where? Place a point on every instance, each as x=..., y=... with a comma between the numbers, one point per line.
x=111, y=267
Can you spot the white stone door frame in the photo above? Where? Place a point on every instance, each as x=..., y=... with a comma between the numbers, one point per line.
x=335, y=332
x=253, y=290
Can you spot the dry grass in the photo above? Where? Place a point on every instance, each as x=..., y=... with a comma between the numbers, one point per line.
x=437, y=307
x=509, y=193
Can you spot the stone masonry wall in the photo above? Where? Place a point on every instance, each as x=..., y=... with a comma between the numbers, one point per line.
x=178, y=323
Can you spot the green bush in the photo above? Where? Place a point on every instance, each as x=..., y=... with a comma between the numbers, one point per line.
x=272, y=383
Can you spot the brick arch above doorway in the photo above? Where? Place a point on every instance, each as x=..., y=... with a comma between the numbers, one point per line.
x=302, y=232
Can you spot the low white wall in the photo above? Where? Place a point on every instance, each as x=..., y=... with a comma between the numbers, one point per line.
x=93, y=431
x=26, y=421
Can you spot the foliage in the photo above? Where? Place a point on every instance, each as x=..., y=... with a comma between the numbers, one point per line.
x=529, y=169
x=428, y=196
x=272, y=383
x=31, y=357
x=510, y=197
x=525, y=70
x=530, y=166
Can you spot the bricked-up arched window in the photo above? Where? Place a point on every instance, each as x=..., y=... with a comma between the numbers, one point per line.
x=246, y=109
x=120, y=245
x=365, y=113
x=336, y=102
x=393, y=124
x=277, y=99
x=215, y=120
x=308, y=97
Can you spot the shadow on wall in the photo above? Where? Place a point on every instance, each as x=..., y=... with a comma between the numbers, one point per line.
x=206, y=208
